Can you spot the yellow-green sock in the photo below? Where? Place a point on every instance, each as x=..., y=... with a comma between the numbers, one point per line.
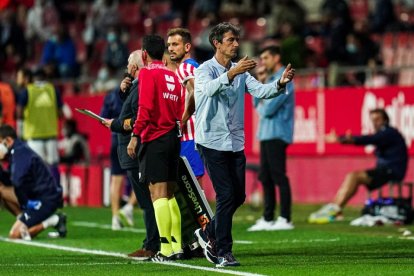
x=163, y=218
x=175, y=225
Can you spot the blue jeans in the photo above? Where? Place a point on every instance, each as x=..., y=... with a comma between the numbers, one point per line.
x=227, y=171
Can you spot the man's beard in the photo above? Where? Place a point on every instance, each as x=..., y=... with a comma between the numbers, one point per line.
x=177, y=58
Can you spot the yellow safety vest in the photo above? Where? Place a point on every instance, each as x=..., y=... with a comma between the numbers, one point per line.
x=40, y=117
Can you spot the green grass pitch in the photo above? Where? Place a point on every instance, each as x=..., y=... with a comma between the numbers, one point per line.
x=334, y=249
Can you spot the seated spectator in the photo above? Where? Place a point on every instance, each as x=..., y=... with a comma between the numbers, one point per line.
x=28, y=189
x=12, y=41
x=106, y=80
x=74, y=145
x=392, y=159
x=41, y=19
x=60, y=52
x=382, y=17
x=116, y=52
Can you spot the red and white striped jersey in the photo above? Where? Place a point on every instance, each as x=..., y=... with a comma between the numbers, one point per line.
x=185, y=72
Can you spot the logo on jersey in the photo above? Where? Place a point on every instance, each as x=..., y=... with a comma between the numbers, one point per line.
x=170, y=82
x=171, y=86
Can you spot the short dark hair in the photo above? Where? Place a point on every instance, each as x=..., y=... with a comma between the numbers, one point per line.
x=184, y=33
x=154, y=45
x=27, y=73
x=220, y=29
x=39, y=73
x=7, y=131
x=383, y=113
x=272, y=49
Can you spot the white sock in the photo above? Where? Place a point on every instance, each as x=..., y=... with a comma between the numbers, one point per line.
x=50, y=221
x=128, y=208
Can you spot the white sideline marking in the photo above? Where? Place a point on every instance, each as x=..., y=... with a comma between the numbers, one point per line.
x=70, y=264
x=124, y=256
x=140, y=230
x=287, y=241
x=106, y=226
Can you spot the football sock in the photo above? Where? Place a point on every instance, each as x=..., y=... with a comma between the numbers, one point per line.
x=163, y=219
x=175, y=225
x=50, y=221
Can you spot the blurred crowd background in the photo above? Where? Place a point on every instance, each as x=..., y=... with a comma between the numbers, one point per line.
x=84, y=45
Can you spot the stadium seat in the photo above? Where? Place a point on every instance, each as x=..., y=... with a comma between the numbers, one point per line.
x=129, y=13
x=402, y=50
x=162, y=27
x=134, y=44
x=387, y=50
x=158, y=8
x=255, y=29
x=80, y=49
x=359, y=9
x=315, y=43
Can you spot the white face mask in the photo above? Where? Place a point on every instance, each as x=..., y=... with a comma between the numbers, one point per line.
x=3, y=150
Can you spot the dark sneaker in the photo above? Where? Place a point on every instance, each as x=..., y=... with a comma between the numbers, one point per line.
x=210, y=252
x=159, y=258
x=177, y=256
x=142, y=254
x=197, y=253
x=201, y=237
x=208, y=245
x=227, y=260
x=61, y=225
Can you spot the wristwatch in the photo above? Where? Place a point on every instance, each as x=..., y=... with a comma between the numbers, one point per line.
x=134, y=135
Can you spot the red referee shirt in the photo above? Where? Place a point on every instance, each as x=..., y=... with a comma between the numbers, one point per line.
x=159, y=105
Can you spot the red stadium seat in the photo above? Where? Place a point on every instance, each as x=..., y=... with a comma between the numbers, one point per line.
x=80, y=49
x=255, y=29
x=315, y=43
x=134, y=44
x=156, y=9
x=129, y=13
x=164, y=26
x=387, y=50
x=402, y=50
x=359, y=9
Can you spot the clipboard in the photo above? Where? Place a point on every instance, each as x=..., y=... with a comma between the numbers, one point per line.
x=90, y=114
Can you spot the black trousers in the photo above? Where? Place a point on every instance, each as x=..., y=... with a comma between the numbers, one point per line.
x=227, y=171
x=273, y=172
x=152, y=239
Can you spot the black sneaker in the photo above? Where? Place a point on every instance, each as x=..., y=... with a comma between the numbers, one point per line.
x=227, y=260
x=210, y=252
x=61, y=225
x=208, y=245
x=177, y=256
x=201, y=237
x=159, y=258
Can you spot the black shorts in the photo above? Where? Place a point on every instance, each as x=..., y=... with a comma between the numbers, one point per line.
x=158, y=159
x=32, y=217
x=380, y=177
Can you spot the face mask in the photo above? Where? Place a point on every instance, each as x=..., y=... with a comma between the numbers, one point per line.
x=53, y=38
x=111, y=37
x=3, y=150
x=351, y=48
x=103, y=74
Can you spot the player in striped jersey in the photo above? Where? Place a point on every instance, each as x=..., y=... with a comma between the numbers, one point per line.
x=179, y=47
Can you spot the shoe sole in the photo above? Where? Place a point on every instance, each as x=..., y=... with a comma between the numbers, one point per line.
x=228, y=265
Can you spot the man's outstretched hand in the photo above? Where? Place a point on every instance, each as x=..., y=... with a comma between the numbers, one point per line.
x=287, y=75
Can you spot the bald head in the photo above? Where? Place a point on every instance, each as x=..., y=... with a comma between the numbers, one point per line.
x=135, y=62
x=135, y=58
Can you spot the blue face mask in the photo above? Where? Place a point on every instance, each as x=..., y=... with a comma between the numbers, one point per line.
x=111, y=37
x=53, y=38
x=351, y=48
